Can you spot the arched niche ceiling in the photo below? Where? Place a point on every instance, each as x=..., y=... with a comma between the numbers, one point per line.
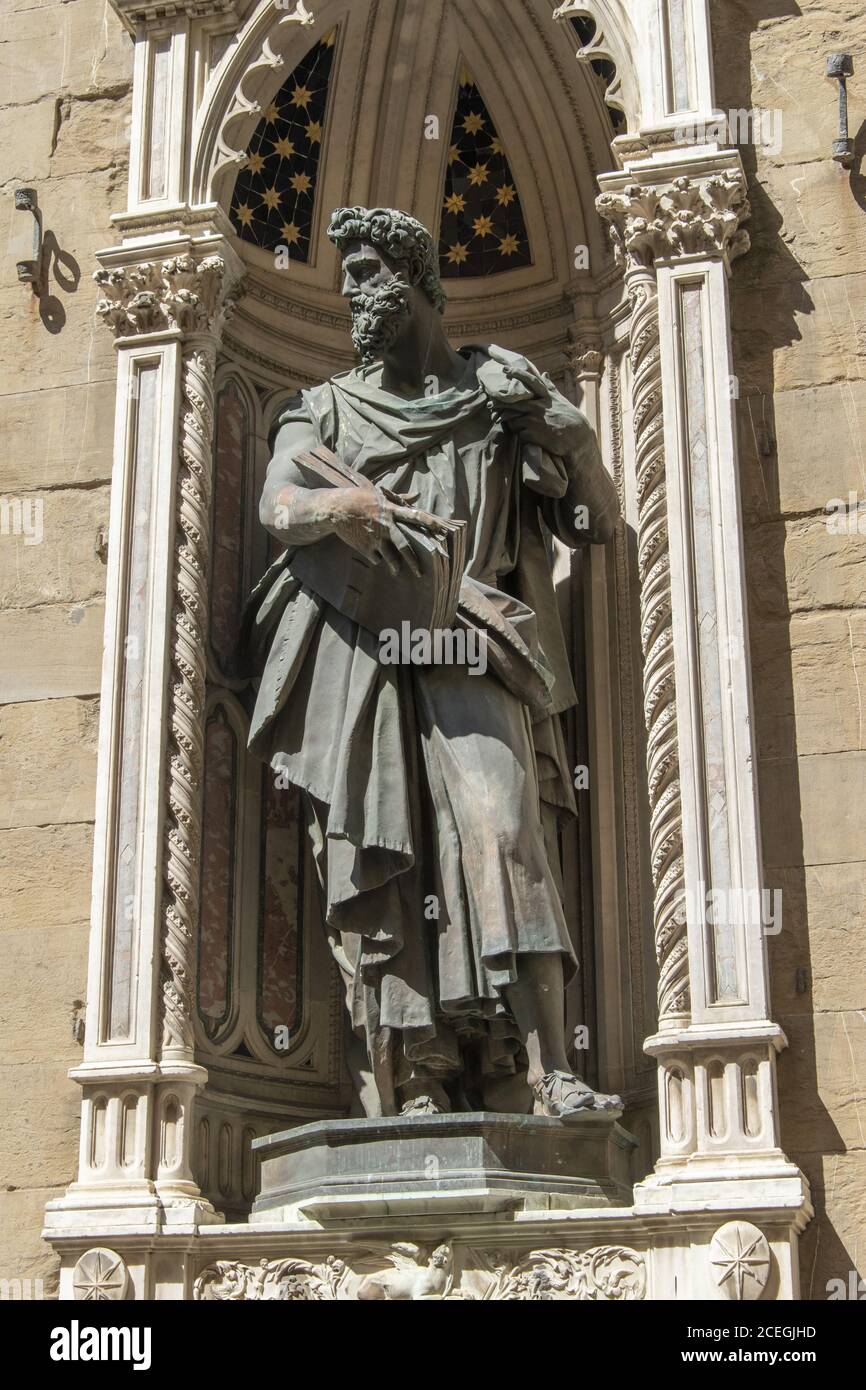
x=396, y=65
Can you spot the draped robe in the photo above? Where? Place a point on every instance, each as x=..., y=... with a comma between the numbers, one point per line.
x=429, y=789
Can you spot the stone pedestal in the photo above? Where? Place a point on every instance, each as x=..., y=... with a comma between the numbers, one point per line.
x=363, y=1169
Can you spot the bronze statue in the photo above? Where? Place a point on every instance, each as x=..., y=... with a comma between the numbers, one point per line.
x=432, y=790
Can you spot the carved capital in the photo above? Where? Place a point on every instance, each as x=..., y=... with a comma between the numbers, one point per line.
x=688, y=216
x=192, y=296
x=584, y=359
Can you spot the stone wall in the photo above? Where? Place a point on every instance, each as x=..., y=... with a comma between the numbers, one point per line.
x=800, y=354
x=65, y=83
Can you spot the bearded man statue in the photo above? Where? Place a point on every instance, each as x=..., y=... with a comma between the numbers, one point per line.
x=432, y=792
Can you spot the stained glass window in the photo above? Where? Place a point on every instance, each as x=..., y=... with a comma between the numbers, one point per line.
x=482, y=231
x=275, y=192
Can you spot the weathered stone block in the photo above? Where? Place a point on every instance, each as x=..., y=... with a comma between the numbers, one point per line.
x=56, y=48
x=777, y=473
x=45, y=876
x=40, y=1149
x=92, y=134
x=49, y=757
x=68, y=564
x=832, y=1244
x=800, y=565
x=26, y=139
x=822, y=225
x=53, y=962
x=813, y=810
x=798, y=334
x=808, y=674
x=58, y=651
x=26, y=1257
x=816, y=960
x=775, y=60
x=54, y=336
x=74, y=426
x=820, y=1082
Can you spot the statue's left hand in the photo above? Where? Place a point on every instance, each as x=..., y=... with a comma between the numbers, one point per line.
x=552, y=426
x=533, y=408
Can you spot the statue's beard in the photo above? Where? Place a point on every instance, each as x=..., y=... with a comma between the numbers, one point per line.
x=378, y=318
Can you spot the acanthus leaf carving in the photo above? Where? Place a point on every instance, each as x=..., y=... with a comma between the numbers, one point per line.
x=584, y=358
x=688, y=216
x=181, y=292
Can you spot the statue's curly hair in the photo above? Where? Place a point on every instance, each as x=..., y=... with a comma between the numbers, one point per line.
x=402, y=238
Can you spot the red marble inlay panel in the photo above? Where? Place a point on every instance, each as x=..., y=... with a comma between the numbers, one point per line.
x=217, y=870
x=230, y=457
x=281, y=898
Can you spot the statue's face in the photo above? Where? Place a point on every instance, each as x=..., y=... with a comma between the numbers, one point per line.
x=365, y=269
x=380, y=297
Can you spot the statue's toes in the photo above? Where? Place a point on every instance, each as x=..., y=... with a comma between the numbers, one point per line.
x=608, y=1103
x=558, y=1094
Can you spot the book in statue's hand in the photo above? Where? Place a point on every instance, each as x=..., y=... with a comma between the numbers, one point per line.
x=369, y=593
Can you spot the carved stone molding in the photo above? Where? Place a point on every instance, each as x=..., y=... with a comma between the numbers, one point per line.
x=263, y=58
x=135, y=12
x=100, y=1276
x=599, y=46
x=404, y=1272
x=688, y=216
x=182, y=293
x=740, y=1261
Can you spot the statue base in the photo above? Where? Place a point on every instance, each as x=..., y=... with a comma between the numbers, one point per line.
x=480, y=1207
x=415, y=1165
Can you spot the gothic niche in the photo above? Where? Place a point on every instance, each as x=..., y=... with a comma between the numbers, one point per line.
x=270, y=1024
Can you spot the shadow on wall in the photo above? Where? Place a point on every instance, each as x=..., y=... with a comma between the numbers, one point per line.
x=857, y=176
x=57, y=265
x=769, y=295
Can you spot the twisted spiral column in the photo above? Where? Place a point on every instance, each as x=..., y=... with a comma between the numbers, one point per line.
x=187, y=698
x=666, y=835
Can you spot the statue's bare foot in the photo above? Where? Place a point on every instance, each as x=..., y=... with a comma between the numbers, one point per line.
x=559, y=1094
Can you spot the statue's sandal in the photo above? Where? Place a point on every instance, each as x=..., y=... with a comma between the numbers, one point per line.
x=558, y=1094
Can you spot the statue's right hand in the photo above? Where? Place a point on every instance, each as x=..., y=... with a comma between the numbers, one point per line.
x=366, y=520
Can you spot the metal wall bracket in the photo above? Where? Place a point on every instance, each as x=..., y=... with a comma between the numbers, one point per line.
x=841, y=66
x=29, y=265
